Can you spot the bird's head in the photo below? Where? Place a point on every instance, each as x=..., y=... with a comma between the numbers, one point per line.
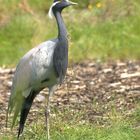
x=59, y=5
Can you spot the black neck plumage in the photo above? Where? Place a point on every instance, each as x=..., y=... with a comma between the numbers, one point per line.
x=62, y=31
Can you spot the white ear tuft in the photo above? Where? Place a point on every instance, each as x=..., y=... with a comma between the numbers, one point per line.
x=50, y=13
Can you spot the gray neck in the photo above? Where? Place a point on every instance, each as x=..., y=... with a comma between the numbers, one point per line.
x=62, y=31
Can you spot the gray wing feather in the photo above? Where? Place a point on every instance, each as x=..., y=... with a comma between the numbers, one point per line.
x=29, y=70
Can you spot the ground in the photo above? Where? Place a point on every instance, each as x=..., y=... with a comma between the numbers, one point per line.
x=94, y=88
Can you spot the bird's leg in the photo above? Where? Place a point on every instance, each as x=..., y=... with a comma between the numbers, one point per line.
x=47, y=115
x=47, y=112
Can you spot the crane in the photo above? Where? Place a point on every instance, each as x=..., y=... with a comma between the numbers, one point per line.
x=41, y=67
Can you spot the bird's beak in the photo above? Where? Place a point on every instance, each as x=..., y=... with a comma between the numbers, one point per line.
x=72, y=3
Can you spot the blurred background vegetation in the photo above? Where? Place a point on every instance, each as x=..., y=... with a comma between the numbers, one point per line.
x=98, y=29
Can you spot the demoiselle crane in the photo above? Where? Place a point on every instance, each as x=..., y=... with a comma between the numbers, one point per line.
x=43, y=66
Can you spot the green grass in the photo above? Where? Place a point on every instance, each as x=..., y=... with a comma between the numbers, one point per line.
x=98, y=34
x=108, y=40
x=11, y=47
x=84, y=133
x=120, y=129
x=70, y=125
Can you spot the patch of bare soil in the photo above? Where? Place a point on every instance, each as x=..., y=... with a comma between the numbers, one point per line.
x=94, y=88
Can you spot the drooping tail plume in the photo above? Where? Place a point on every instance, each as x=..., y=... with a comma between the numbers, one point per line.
x=27, y=103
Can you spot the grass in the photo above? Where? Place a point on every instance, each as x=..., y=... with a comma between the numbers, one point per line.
x=111, y=40
x=86, y=133
x=66, y=129
x=101, y=33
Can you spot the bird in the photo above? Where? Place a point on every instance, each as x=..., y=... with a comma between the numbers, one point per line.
x=41, y=67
